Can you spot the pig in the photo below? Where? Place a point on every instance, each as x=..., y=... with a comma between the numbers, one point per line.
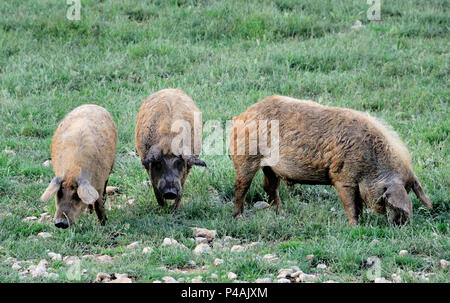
x=82, y=151
x=363, y=158
x=168, y=140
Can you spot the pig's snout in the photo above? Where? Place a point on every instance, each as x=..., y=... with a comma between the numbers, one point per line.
x=169, y=188
x=61, y=223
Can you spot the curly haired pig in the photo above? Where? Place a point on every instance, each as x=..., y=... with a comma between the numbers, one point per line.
x=363, y=159
x=168, y=139
x=82, y=150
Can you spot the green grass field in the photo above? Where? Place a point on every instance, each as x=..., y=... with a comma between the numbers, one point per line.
x=226, y=55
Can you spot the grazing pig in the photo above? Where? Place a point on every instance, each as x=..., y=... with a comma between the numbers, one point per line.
x=168, y=139
x=363, y=159
x=83, y=150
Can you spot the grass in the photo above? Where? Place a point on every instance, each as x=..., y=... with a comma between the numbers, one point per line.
x=226, y=55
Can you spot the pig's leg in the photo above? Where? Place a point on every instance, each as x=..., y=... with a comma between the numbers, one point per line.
x=271, y=185
x=98, y=206
x=350, y=199
x=244, y=177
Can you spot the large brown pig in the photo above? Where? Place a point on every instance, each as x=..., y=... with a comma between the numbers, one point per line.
x=168, y=139
x=363, y=159
x=83, y=150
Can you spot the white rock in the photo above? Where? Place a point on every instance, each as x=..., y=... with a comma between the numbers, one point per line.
x=197, y=279
x=45, y=218
x=297, y=274
x=69, y=260
x=263, y=280
x=330, y=281
x=403, y=252
x=358, y=25
x=283, y=280
x=218, y=261
x=39, y=270
x=285, y=272
x=214, y=276
x=202, y=248
x=147, y=250
x=55, y=256
x=396, y=278
x=104, y=259
x=44, y=235
x=444, y=263
x=333, y=209
x=120, y=280
x=156, y=281
x=321, y=266
x=131, y=202
x=306, y=277
x=295, y=268
x=29, y=219
x=228, y=239
x=204, y=233
x=261, y=205
x=47, y=163
x=192, y=263
x=102, y=277
x=382, y=280
x=237, y=248
x=232, y=275
x=111, y=189
x=309, y=257
x=169, y=280
x=169, y=242
x=201, y=240
x=270, y=257
x=133, y=245
x=16, y=266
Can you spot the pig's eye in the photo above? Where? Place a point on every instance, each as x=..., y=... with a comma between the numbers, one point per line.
x=75, y=197
x=156, y=165
x=178, y=163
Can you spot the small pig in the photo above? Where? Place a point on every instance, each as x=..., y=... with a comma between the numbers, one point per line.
x=168, y=139
x=83, y=150
x=362, y=158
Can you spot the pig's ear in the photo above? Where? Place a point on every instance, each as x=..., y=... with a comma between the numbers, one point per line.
x=193, y=160
x=86, y=191
x=397, y=197
x=417, y=188
x=153, y=154
x=51, y=190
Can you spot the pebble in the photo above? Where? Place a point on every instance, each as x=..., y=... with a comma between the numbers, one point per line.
x=16, y=266
x=237, y=248
x=111, y=190
x=202, y=248
x=218, y=261
x=55, y=256
x=197, y=279
x=270, y=258
x=39, y=270
x=120, y=280
x=102, y=277
x=47, y=163
x=382, y=280
x=232, y=275
x=44, y=235
x=104, y=259
x=214, y=276
x=10, y=152
x=283, y=280
x=133, y=245
x=321, y=266
x=172, y=242
x=263, y=280
x=204, y=233
x=131, y=202
x=306, y=277
x=201, y=240
x=309, y=257
x=284, y=272
x=357, y=26
x=169, y=280
x=403, y=252
x=261, y=205
x=147, y=250
x=29, y=219
x=69, y=260
x=444, y=263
